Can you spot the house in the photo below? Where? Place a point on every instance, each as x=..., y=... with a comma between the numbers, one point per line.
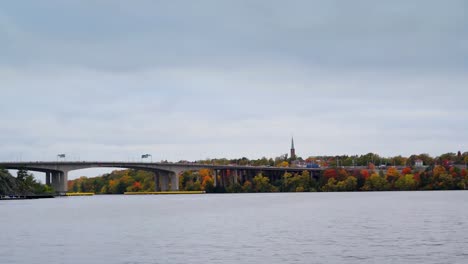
x=418, y=163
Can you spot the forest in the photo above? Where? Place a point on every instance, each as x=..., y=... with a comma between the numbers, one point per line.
x=440, y=173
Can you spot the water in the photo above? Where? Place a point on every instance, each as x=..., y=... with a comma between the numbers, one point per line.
x=379, y=227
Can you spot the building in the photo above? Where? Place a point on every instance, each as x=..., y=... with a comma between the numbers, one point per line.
x=293, y=151
x=418, y=163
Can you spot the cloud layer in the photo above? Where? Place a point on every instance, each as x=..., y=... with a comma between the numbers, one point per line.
x=111, y=80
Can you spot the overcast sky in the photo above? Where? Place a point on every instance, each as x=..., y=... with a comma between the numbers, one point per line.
x=188, y=80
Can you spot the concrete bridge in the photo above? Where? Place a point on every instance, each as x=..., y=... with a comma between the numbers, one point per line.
x=166, y=174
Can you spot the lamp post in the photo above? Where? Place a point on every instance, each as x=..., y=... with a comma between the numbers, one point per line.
x=145, y=156
x=61, y=156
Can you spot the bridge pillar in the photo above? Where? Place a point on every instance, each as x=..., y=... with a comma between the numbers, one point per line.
x=174, y=181
x=64, y=181
x=222, y=174
x=164, y=179
x=47, y=178
x=215, y=177
x=234, y=176
x=60, y=181
x=157, y=183
x=55, y=180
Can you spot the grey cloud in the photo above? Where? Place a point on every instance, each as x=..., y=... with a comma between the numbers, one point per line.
x=122, y=36
x=114, y=79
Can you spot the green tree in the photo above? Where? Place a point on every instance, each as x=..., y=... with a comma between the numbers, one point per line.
x=445, y=181
x=234, y=188
x=331, y=185
x=261, y=183
x=208, y=184
x=288, y=182
x=247, y=186
x=22, y=174
x=406, y=183
x=375, y=183
x=350, y=184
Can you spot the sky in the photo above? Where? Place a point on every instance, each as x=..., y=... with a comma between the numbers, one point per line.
x=189, y=80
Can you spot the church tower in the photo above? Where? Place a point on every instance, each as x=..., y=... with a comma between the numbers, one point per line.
x=293, y=151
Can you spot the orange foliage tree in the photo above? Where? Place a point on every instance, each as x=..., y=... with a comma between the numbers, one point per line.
x=330, y=173
x=392, y=175
x=342, y=174
x=439, y=170
x=136, y=187
x=406, y=170
x=365, y=174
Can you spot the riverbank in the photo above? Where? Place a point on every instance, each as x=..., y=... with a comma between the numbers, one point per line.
x=164, y=193
x=25, y=197
x=80, y=194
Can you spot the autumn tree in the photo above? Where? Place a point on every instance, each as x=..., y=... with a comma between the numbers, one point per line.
x=364, y=174
x=439, y=170
x=330, y=186
x=287, y=181
x=406, y=183
x=375, y=183
x=392, y=175
x=406, y=170
x=341, y=174
x=135, y=187
x=349, y=184
x=247, y=186
x=330, y=173
x=296, y=182
x=234, y=188
x=444, y=181
x=261, y=183
x=208, y=184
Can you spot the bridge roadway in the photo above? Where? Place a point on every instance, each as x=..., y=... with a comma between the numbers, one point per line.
x=165, y=172
x=57, y=171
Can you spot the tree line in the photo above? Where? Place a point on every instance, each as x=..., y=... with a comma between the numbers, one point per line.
x=437, y=177
x=445, y=159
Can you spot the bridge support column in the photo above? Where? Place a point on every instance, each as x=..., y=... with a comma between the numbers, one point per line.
x=174, y=181
x=55, y=180
x=164, y=180
x=215, y=178
x=63, y=188
x=47, y=178
x=222, y=177
x=234, y=176
x=60, y=181
x=157, y=183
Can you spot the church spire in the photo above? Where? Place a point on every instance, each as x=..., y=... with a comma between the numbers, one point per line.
x=293, y=150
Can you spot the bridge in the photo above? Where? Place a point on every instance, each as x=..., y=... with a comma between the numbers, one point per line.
x=166, y=173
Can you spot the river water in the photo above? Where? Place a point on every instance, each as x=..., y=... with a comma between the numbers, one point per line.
x=378, y=227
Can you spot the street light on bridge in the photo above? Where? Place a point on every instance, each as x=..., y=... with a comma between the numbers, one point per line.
x=145, y=156
x=61, y=156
